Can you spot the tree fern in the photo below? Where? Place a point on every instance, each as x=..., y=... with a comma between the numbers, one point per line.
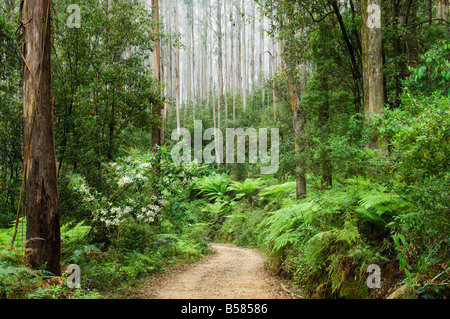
x=247, y=188
x=376, y=206
x=277, y=193
x=213, y=187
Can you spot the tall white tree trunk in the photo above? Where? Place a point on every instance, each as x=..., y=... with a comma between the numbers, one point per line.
x=244, y=58
x=220, y=61
x=177, y=68
x=225, y=37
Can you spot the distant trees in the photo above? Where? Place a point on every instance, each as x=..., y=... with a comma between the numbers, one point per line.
x=217, y=54
x=360, y=48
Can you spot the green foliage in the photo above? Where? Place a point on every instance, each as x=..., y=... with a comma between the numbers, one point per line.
x=104, y=96
x=10, y=120
x=276, y=193
x=213, y=187
x=248, y=188
x=127, y=212
x=434, y=74
x=325, y=241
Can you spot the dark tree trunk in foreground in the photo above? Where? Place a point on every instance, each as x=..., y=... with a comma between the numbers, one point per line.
x=41, y=192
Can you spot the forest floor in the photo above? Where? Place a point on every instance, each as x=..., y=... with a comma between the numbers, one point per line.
x=230, y=273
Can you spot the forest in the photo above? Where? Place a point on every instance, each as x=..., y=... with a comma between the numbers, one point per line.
x=347, y=101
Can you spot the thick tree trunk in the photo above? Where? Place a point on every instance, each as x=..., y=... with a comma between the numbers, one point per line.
x=372, y=60
x=41, y=191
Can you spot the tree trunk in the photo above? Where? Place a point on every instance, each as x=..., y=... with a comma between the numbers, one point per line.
x=261, y=57
x=244, y=59
x=253, y=72
x=192, y=59
x=372, y=59
x=239, y=47
x=220, y=61
x=444, y=9
x=226, y=59
x=233, y=75
x=41, y=191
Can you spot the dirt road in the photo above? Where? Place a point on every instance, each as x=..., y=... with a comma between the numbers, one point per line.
x=231, y=273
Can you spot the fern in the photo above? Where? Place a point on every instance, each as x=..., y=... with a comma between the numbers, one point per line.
x=286, y=225
x=377, y=206
x=277, y=193
x=213, y=187
x=248, y=188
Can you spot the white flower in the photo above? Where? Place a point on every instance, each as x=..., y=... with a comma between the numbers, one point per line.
x=145, y=165
x=124, y=181
x=141, y=177
x=164, y=203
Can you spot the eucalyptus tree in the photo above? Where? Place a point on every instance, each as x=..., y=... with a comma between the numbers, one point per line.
x=39, y=165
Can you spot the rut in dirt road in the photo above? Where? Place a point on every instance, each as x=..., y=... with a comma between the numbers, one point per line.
x=231, y=273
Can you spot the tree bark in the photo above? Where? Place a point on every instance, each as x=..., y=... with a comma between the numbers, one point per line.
x=239, y=48
x=253, y=72
x=372, y=59
x=444, y=6
x=40, y=174
x=261, y=57
x=244, y=59
x=226, y=59
x=220, y=61
x=233, y=75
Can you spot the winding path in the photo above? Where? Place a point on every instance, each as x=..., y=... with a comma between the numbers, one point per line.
x=231, y=273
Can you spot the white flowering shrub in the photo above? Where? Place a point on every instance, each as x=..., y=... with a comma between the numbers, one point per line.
x=134, y=192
